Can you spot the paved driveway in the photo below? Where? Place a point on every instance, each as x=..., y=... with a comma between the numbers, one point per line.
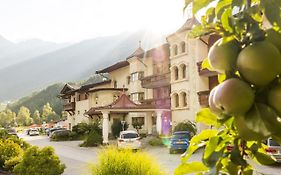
x=77, y=159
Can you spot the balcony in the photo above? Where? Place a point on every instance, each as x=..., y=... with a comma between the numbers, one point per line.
x=205, y=72
x=155, y=81
x=203, y=97
x=69, y=106
x=158, y=103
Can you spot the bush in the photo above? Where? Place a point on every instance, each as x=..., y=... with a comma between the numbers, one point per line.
x=117, y=127
x=125, y=162
x=186, y=126
x=9, y=152
x=93, y=139
x=62, y=135
x=82, y=129
x=156, y=141
x=23, y=144
x=39, y=161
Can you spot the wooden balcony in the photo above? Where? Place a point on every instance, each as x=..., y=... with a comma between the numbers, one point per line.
x=69, y=106
x=158, y=103
x=155, y=81
x=205, y=72
x=203, y=97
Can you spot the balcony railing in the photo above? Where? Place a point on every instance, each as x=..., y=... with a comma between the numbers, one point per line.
x=155, y=81
x=158, y=103
x=205, y=72
x=203, y=97
x=69, y=106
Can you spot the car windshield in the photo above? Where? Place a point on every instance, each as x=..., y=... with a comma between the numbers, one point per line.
x=130, y=135
x=273, y=143
x=180, y=136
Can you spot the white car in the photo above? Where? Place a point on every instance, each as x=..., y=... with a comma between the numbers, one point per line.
x=33, y=132
x=129, y=140
x=274, y=150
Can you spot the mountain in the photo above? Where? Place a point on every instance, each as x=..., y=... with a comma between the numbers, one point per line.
x=12, y=53
x=37, y=100
x=71, y=63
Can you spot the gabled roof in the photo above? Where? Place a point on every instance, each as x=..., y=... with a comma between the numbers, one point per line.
x=113, y=67
x=137, y=53
x=189, y=23
x=67, y=88
x=88, y=86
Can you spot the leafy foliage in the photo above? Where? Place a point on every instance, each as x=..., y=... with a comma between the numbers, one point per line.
x=7, y=118
x=156, y=141
x=39, y=161
x=92, y=139
x=117, y=127
x=9, y=153
x=23, y=117
x=186, y=126
x=125, y=162
x=243, y=21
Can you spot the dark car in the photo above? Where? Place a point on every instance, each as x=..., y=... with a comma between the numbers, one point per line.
x=49, y=131
x=179, y=141
x=12, y=131
x=52, y=130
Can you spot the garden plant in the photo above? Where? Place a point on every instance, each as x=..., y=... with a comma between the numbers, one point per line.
x=245, y=108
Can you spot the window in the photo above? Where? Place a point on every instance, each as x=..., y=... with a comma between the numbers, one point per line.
x=137, y=76
x=183, y=99
x=128, y=80
x=175, y=99
x=138, y=121
x=183, y=71
x=176, y=73
x=182, y=47
x=139, y=96
x=97, y=99
x=134, y=76
x=175, y=50
x=79, y=97
x=115, y=84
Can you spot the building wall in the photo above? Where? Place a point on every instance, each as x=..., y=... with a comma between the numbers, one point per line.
x=120, y=76
x=194, y=51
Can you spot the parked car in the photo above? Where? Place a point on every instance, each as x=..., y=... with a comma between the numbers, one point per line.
x=33, y=132
x=179, y=141
x=51, y=132
x=129, y=140
x=60, y=133
x=274, y=150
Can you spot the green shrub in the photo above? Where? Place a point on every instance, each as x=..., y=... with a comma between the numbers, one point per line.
x=117, y=127
x=9, y=150
x=125, y=162
x=82, y=129
x=4, y=134
x=23, y=144
x=93, y=139
x=39, y=161
x=156, y=141
x=186, y=126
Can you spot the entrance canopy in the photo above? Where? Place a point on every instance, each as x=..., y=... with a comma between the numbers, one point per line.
x=124, y=104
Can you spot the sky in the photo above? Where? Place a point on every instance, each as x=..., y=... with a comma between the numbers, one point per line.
x=76, y=20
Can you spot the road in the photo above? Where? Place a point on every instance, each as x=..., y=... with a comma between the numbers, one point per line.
x=78, y=160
